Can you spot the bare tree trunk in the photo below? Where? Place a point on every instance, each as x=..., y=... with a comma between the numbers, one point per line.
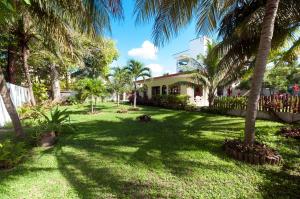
x=10, y=107
x=259, y=69
x=211, y=97
x=55, y=83
x=11, y=64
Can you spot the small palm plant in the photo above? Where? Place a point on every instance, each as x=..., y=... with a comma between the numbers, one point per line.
x=56, y=120
x=137, y=70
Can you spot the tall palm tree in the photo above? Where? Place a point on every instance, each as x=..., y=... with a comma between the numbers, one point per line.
x=137, y=70
x=172, y=16
x=213, y=74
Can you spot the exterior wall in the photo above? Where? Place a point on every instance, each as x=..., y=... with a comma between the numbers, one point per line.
x=184, y=89
x=19, y=97
x=196, y=47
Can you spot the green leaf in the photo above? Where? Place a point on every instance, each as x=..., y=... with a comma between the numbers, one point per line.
x=27, y=2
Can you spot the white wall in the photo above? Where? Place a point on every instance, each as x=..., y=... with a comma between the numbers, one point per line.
x=19, y=97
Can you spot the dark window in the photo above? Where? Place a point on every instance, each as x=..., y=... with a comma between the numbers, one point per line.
x=164, y=90
x=174, y=90
x=155, y=90
x=198, y=91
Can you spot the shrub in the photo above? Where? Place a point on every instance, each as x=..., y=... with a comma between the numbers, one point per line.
x=11, y=153
x=57, y=121
x=40, y=91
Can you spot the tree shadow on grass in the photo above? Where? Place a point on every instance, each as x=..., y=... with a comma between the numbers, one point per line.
x=129, y=142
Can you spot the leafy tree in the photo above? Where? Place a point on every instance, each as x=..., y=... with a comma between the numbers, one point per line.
x=136, y=70
x=89, y=88
x=119, y=82
x=97, y=54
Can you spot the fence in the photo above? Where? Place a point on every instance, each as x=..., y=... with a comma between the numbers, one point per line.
x=19, y=96
x=277, y=103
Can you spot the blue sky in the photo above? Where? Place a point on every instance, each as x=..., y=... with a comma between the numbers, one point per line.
x=130, y=39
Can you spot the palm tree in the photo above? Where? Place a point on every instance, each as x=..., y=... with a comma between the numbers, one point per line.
x=213, y=74
x=119, y=82
x=172, y=16
x=136, y=70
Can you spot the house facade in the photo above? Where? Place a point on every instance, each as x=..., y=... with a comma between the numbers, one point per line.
x=170, y=85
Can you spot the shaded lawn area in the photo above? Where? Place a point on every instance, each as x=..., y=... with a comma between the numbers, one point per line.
x=177, y=155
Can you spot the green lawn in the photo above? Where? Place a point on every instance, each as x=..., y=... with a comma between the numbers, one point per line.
x=177, y=155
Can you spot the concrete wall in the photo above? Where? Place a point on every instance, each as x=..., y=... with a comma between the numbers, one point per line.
x=19, y=97
x=286, y=117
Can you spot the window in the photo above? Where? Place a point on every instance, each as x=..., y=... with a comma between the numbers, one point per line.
x=155, y=90
x=174, y=90
x=164, y=90
x=198, y=91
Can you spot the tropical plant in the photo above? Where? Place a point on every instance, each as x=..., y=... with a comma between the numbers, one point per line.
x=118, y=82
x=55, y=121
x=11, y=153
x=89, y=88
x=136, y=70
x=172, y=16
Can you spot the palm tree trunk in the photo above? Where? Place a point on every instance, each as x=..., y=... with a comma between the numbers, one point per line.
x=92, y=103
x=11, y=64
x=134, y=100
x=55, y=83
x=25, y=55
x=118, y=99
x=211, y=97
x=10, y=107
x=134, y=95
x=259, y=69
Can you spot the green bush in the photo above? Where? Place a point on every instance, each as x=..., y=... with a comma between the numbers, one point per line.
x=11, y=153
x=170, y=101
x=230, y=103
x=40, y=91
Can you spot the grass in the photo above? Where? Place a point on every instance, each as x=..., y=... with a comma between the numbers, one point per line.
x=177, y=155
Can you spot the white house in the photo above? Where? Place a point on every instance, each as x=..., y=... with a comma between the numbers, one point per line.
x=168, y=84
x=185, y=59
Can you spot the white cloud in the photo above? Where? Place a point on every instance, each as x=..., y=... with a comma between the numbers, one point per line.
x=156, y=69
x=147, y=51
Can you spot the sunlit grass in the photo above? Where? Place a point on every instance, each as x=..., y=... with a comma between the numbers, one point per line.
x=177, y=155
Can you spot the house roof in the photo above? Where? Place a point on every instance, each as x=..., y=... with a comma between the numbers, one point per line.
x=163, y=76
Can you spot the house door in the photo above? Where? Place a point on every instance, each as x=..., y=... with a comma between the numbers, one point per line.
x=198, y=91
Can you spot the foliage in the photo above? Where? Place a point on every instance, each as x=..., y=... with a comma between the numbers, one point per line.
x=97, y=54
x=40, y=91
x=11, y=153
x=170, y=101
x=231, y=102
x=281, y=77
x=58, y=120
x=29, y=112
x=119, y=81
x=87, y=87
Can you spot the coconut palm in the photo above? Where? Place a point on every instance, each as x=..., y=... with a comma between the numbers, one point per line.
x=136, y=71
x=172, y=16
